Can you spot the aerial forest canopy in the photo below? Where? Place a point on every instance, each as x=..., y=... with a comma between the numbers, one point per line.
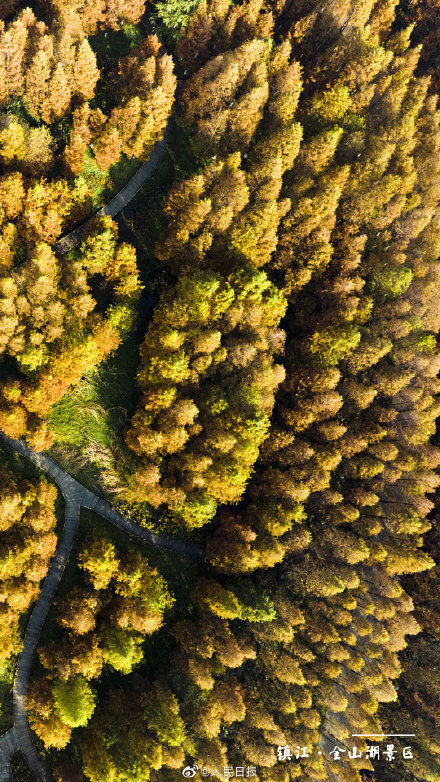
x=60, y=132
x=278, y=284
x=27, y=542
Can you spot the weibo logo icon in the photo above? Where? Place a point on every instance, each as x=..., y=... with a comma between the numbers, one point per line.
x=190, y=771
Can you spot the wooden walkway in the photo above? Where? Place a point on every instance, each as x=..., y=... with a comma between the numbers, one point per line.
x=122, y=198
x=8, y=747
x=76, y=497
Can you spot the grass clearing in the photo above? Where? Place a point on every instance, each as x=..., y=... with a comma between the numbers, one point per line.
x=89, y=421
x=99, y=405
x=97, y=181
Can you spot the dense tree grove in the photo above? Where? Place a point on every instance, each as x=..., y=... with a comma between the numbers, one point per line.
x=225, y=220
x=27, y=543
x=337, y=504
x=145, y=85
x=53, y=71
x=90, y=15
x=48, y=70
x=287, y=385
x=183, y=711
x=417, y=706
x=350, y=436
x=103, y=622
x=209, y=380
x=52, y=328
x=49, y=322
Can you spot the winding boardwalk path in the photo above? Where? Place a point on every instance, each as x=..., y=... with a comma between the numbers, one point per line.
x=125, y=195
x=122, y=198
x=76, y=497
x=8, y=747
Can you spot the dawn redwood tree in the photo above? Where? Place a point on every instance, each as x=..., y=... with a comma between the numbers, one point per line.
x=342, y=495
x=27, y=543
x=101, y=622
x=145, y=85
x=208, y=379
x=48, y=323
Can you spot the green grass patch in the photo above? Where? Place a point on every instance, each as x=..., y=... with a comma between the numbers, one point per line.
x=90, y=420
x=96, y=179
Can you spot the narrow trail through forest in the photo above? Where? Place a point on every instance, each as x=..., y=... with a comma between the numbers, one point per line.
x=122, y=198
x=76, y=497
